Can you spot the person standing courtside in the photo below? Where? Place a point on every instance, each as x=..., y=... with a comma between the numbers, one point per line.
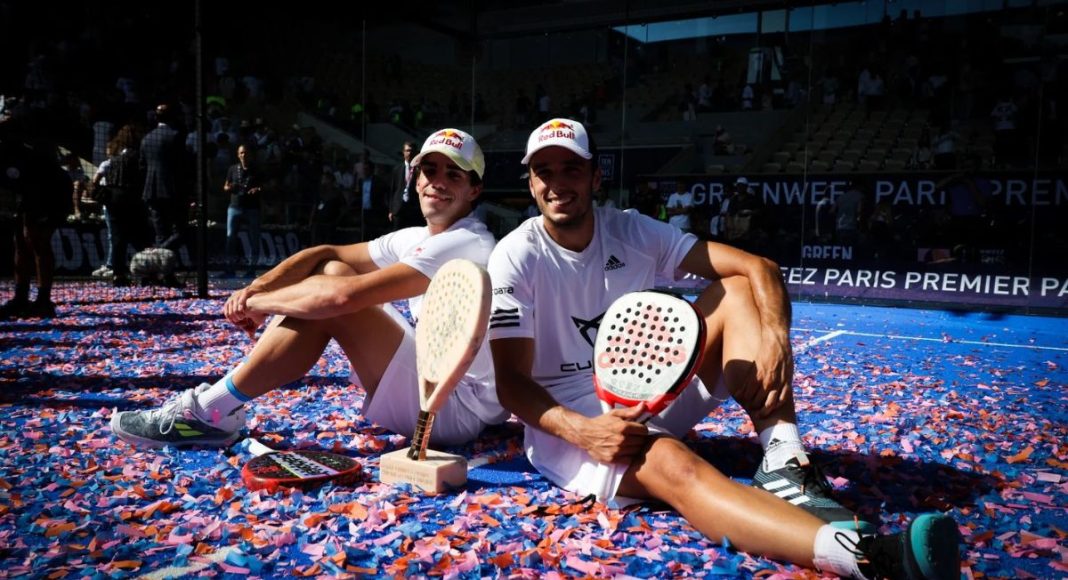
x=404, y=204
x=163, y=162
x=244, y=186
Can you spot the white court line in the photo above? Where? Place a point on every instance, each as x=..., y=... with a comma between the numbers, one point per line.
x=802, y=348
x=922, y=338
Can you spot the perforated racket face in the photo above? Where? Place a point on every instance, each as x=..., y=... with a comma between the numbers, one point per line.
x=647, y=349
x=451, y=327
x=299, y=469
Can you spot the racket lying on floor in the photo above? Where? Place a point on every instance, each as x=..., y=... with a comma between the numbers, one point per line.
x=648, y=349
x=452, y=324
x=271, y=469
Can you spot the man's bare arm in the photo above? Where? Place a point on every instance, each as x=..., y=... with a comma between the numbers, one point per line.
x=321, y=296
x=613, y=436
x=775, y=365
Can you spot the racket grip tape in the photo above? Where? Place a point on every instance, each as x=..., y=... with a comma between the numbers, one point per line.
x=421, y=439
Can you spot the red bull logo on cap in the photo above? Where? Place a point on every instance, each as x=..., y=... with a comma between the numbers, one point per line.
x=556, y=130
x=447, y=137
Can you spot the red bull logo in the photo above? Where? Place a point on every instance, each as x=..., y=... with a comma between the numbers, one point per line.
x=448, y=137
x=556, y=130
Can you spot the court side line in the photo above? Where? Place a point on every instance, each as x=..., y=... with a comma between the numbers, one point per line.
x=807, y=345
x=929, y=339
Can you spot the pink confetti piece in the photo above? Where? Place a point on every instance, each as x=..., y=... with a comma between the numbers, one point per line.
x=1048, y=477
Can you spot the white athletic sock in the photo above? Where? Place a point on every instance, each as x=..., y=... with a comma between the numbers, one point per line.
x=781, y=443
x=221, y=399
x=835, y=551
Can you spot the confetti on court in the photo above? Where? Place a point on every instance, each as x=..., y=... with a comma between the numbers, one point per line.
x=903, y=426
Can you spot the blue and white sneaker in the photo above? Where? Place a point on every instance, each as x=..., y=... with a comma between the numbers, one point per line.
x=928, y=550
x=803, y=484
x=178, y=423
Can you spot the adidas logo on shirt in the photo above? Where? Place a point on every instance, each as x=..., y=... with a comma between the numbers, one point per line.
x=613, y=263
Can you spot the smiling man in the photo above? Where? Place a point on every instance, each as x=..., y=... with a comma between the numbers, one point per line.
x=553, y=279
x=345, y=293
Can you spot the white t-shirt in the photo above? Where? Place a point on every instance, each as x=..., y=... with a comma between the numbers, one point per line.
x=468, y=239
x=544, y=291
x=685, y=199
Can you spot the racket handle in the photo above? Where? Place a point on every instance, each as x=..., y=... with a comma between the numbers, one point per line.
x=421, y=438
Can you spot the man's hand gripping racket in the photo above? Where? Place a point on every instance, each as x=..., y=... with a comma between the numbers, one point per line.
x=648, y=349
x=451, y=327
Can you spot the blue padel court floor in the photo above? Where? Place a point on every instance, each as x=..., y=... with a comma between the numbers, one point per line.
x=910, y=411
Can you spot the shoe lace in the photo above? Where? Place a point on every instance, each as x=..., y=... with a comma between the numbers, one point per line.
x=811, y=476
x=874, y=561
x=166, y=414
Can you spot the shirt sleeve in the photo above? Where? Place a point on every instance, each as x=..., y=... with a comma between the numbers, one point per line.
x=385, y=250
x=670, y=243
x=512, y=312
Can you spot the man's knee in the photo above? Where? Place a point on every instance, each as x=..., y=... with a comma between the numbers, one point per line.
x=337, y=268
x=668, y=466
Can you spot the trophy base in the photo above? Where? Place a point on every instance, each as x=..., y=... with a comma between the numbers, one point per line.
x=437, y=473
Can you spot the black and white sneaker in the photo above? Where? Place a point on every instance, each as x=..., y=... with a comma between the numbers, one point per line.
x=803, y=484
x=928, y=550
x=178, y=423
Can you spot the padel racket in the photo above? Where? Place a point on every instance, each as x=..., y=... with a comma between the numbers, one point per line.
x=272, y=469
x=451, y=327
x=648, y=348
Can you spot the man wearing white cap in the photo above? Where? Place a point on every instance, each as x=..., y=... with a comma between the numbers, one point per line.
x=553, y=279
x=345, y=293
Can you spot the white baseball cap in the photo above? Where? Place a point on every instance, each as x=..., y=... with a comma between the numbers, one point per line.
x=742, y=181
x=458, y=146
x=570, y=135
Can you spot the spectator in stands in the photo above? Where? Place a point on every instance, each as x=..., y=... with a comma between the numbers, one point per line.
x=645, y=199
x=522, y=107
x=42, y=199
x=680, y=206
x=704, y=96
x=722, y=144
x=829, y=88
x=545, y=104
x=847, y=213
x=166, y=180
x=244, y=183
x=687, y=103
x=922, y=156
x=1005, y=142
x=326, y=212
x=748, y=96
x=945, y=148
x=743, y=213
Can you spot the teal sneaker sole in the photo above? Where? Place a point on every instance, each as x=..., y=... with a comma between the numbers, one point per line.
x=932, y=548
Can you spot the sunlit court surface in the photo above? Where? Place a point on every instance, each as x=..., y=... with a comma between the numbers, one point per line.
x=910, y=410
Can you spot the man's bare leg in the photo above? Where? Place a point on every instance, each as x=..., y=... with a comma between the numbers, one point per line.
x=753, y=521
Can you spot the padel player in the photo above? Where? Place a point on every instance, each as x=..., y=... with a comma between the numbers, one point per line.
x=553, y=279
x=345, y=293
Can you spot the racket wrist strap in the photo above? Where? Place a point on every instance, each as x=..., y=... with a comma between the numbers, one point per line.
x=422, y=436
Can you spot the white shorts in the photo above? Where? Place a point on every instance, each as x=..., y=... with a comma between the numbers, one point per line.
x=395, y=404
x=573, y=469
